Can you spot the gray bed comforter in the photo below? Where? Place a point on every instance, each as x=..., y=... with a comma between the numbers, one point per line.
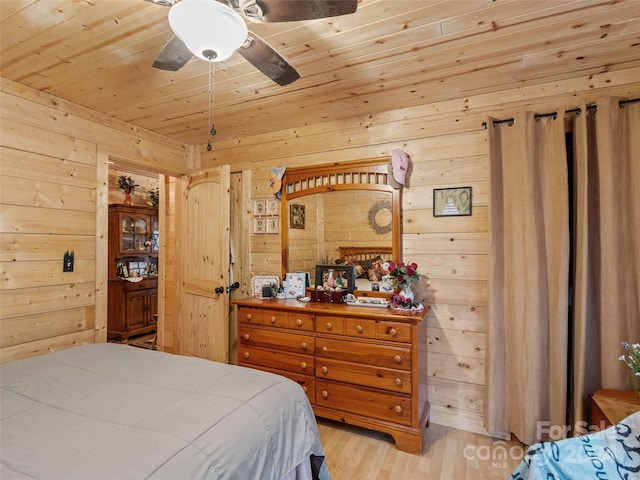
x=108, y=411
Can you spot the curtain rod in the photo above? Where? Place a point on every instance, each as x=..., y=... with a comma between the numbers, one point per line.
x=590, y=108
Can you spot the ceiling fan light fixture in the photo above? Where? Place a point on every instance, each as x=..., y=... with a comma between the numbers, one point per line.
x=211, y=30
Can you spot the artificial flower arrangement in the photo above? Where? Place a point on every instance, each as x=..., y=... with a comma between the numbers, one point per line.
x=403, y=276
x=633, y=360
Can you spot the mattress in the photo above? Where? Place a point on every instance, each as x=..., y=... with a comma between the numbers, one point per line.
x=106, y=411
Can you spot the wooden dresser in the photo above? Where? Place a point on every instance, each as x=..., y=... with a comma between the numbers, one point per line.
x=364, y=366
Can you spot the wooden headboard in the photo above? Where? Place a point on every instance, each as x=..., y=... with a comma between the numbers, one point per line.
x=365, y=253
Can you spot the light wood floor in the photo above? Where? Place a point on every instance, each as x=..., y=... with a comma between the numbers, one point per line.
x=353, y=453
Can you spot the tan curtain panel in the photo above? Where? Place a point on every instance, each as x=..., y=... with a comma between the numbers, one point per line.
x=528, y=304
x=607, y=248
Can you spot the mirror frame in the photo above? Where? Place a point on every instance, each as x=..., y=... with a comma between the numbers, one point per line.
x=369, y=174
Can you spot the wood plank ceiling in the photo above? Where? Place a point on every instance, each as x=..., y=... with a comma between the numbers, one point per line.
x=388, y=55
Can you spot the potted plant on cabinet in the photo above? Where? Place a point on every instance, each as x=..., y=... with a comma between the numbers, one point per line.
x=127, y=184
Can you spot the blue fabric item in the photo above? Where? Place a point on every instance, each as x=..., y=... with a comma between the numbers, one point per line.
x=613, y=453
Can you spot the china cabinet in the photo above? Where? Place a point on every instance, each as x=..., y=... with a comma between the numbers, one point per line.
x=133, y=253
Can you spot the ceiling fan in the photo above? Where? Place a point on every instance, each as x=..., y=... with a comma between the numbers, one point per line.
x=213, y=29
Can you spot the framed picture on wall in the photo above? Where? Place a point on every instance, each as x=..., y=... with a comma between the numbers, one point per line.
x=273, y=207
x=296, y=216
x=259, y=207
x=451, y=202
x=273, y=224
x=259, y=225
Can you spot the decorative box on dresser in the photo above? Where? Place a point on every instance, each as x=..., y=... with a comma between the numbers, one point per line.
x=364, y=366
x=133, y=236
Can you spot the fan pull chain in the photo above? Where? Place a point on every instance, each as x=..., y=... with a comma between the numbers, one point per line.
x=212, y=132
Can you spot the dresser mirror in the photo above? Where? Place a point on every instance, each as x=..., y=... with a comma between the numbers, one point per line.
x=339, y=210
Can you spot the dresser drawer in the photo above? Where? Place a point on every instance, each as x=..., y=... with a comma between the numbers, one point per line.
x=250, y=315
x=291, y=362
x=308, y=383
x=266, y=338
x=275, y=318
x=364, y=401
x=329, y=324
x=141, y=285
x=359, y=328
x=393, y=331
x=394, y=357
x=300, y=321
x=365, y=375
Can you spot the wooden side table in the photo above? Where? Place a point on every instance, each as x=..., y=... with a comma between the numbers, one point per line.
x=609, y=407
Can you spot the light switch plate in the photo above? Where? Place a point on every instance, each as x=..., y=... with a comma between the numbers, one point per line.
x=67, y=265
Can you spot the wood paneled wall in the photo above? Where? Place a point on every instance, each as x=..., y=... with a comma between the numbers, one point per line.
x=45, y=139
x=448, y=147
x=53, y=198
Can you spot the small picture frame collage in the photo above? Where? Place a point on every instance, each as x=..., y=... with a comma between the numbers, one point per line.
x=266, y=216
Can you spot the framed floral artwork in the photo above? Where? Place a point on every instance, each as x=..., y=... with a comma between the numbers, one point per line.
x=259, y=225
x=273, y=207
x=259, y=207
x=273, y=224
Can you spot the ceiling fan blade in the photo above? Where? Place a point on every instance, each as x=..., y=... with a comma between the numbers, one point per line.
x=173, y=56
x=264, y=11
x=262, y=56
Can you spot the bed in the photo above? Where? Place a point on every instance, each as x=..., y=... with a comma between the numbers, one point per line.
x=368, y=262
x=107, y=411
x=613, y=453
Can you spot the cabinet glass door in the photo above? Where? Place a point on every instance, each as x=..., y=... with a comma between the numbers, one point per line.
x=155, y=240
x=127, y=235
x=140, y=234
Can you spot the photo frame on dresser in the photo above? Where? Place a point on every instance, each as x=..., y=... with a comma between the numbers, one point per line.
x=328, y=276
x=295, y=284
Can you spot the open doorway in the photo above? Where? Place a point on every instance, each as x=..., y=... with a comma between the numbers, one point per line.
x=133, y=250
x=165, y=303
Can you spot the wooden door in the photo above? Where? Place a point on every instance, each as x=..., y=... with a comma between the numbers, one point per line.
x=202, y=241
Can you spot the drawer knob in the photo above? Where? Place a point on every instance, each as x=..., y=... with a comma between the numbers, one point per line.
x=397, y=359
x=325, y=370
x=397, y=409
x=246, y=355
x=359, y=329
x=324, y=348
x=303, y=345
x=399, y=382
x=304, y=388
x=247, y=336
x=249, y=316
x=329, y=326
x=273, y=319
x=325, y=394
x=303, y=365
x=393, y=332
x=299, y=322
